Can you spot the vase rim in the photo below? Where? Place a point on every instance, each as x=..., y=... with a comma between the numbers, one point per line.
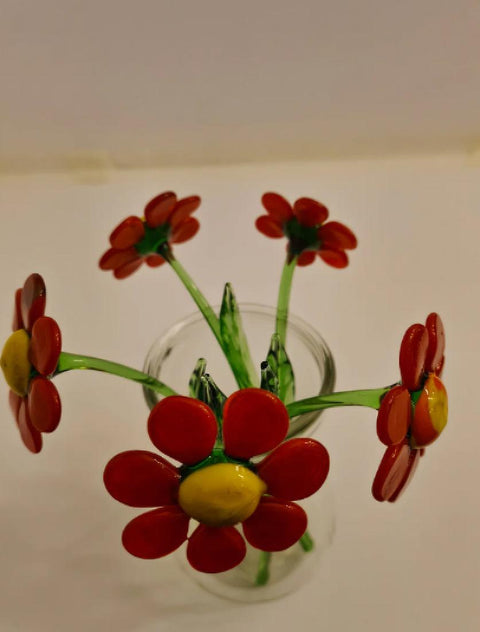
x=250, y=307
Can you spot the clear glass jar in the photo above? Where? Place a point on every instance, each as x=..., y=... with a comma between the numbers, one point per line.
x=172, y=358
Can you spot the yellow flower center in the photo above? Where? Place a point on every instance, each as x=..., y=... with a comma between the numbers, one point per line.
x=431, y=413
x=437, y=402
x=221, y=495
x=15, y=364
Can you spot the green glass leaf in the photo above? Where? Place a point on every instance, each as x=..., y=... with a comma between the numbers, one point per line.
x=233, y=336
x=281, y=367
x=198, y=372
x=210, y=394
x=269, y=378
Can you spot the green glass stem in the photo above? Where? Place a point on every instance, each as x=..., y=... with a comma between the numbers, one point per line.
x=208, y=313
x=306, y=542
x=370, y=398
x=284, y=299
x=70, y=361
x=200, y=300
x=263, y=571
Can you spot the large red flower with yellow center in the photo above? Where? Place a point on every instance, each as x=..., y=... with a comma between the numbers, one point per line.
x=217, y=486
x=134, y=241
x=305, y=228
x=412, y=414
x=29, y=358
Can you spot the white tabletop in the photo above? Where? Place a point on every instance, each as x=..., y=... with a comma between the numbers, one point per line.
x=413, y=565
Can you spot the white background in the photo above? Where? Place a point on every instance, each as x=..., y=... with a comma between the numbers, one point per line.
x=414, y=565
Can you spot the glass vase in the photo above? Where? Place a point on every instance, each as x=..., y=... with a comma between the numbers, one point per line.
x=172, y=358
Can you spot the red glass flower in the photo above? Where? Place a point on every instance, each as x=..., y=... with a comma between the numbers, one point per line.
x=29, y=359
x=305, y=228
x=413, y=413
x=219, y=487
x=134, y=241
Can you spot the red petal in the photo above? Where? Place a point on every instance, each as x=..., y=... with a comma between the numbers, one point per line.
x=413, y=353
x=215, y=549
x=158, y=210
x=127, y=269
x=269, y=226
x=113, y=258
x=183, y=428
x=412, y=466
x=141, y=479
x=185, y=230
x=31, y=437
x=310, y=212
x=183, y=209
x=17, y=322
x=392, y=471
x=337, y=236
x=436, y=343
x=334, y=258
x=394, y=416
x=275, y=525
x=15, y=401
x=306, y=258
x=127, y=233
x=34, y=297
x=44, y=405
x=440, y=367
x=156, y=533
x=295, y=469
x=154, y=261
x=277, y=206
x=255, y=421
x=45, y=345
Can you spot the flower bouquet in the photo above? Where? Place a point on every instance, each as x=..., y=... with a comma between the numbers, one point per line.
x=226, y=473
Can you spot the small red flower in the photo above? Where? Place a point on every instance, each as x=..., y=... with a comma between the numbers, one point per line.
x=413, y=413
x=29, y=359
x=217, y=487
x=134, y=241
x=305, y=228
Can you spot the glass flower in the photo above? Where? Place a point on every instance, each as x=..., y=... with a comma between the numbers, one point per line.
x=413, y=413
x=29, y=358
x=305, y=228
x=218, y=487
x=134, y=241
